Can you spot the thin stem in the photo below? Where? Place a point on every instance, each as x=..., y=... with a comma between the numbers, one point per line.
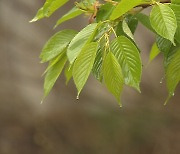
x=114, y=32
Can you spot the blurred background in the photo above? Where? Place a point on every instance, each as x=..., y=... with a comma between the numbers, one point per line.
x=62, y=125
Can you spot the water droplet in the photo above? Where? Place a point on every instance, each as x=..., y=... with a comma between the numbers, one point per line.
x=77, y=97
x=161, y=80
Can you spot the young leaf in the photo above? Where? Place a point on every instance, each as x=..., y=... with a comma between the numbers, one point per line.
x=83, y=65
x=124, y=6
x=154, y=52
x=53, y=74
x=113, y=76
x=74, y=12
x=80, y=40
x=163, y=21
x=49, y=8
x=129, y=59
x=57, y=44
x=173, y=74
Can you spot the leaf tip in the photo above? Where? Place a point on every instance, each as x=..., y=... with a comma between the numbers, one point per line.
x=77, y=97
x=55, y=26
x=33, y=20
x=173, y=43
x=66, y=83
x=119, y=102
x=138, y=89
x=167, y=100
x=42, y=100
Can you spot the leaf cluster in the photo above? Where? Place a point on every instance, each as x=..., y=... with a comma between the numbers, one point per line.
x=106, y=46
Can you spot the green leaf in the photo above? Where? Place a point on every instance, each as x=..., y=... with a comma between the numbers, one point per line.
x=97, y=66
x=163, y=21
x=113, y=76
x=101, y=30
x=169, y=56
x=83, y=65
x=57, y=44
x=132, y=23
x=127, y=30
x=175, y=1
x=163, y=44
x=74, y=12
x=104, y=12
x=129, y=59
x=39, y=15
x=154, y=52
x=54, y=61
x=144, y=19
x=176, y=9
x=48, y=9
x=173, y=74
x=124, y=6
x=123, y=29
x=52, y=5
x=80, y=40
x=68, y=73
x=53, y=74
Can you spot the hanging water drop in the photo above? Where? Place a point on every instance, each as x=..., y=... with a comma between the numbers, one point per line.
x=77, y=98
x=161, y=80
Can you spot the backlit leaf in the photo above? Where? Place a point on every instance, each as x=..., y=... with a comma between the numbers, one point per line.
x=83, y=65
x=53, y=74
x=124, y=6
x=50, y=6
x=74, y=12
x=68, y=73
x=154, y=52
x=163, y=21
x=129, y=59
x=113, y=76
x=57, y=44
x=80, y=40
